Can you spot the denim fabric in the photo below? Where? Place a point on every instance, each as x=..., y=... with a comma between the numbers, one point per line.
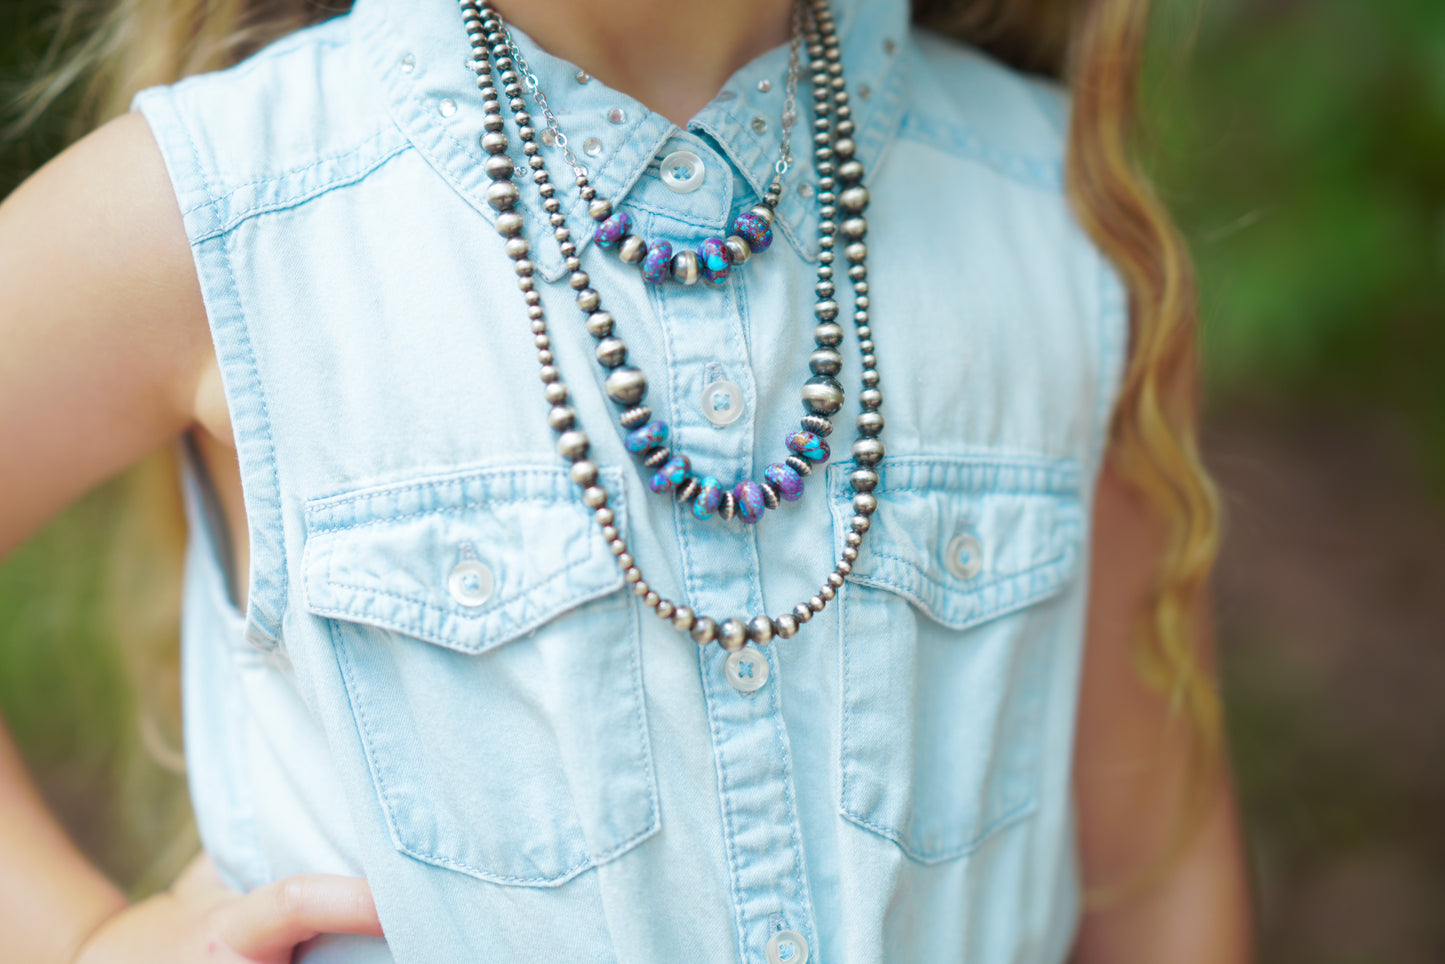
x=547, y=772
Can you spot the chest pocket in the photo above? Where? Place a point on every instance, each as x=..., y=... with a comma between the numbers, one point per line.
x=491, y=659
x=946, y=638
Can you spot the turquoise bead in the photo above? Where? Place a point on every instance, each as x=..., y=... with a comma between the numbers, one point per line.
x=709, y=497
x=671, y=475
x=648, y=437
x=809, y=445
x=748, y=496
x=754, y=230
x=712, y=256
x=610, y=232
x=657, y=265
x=789, y=482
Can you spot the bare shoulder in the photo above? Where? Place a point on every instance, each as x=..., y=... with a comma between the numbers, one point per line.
x=105, y=334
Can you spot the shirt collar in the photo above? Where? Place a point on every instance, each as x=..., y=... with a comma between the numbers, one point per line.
x=418, y=52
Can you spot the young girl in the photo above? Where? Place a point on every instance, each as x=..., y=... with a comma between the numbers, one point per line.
x=706, y=484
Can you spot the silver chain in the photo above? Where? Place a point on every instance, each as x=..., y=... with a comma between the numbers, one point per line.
x=535, y=86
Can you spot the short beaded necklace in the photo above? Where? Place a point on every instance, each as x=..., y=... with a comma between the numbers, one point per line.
x=832, y=140
x=647, y=438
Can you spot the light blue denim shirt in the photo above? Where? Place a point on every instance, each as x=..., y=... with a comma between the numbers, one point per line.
x=536, y=769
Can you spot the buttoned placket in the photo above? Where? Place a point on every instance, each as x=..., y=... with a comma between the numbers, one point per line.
x=710, y=375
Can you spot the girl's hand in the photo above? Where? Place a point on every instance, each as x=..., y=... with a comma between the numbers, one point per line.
x=200, y=919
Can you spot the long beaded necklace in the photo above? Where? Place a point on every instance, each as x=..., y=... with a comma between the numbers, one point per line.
x=832, y=141
x=647, y=438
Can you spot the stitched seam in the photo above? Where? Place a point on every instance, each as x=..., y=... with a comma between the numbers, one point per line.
x=310, y=165
x=319, y=505
x=323, y=528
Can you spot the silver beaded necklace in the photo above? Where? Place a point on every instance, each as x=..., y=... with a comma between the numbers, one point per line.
x=834, y=162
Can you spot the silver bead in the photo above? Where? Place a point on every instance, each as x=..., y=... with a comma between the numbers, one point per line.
x=578, y=280
x=509, y=225
x=682, y=617
x=657, y=457
x=605, y=517
x=850, y=172
x=870, y=423
x=817, y=424
x=868, y=451
x=786, y=627
x=640, y=588
x=632, y=575
x=826, y=310
x=856, y=252
x=599, y=324
x=827, y=592
x=798, y=464
x=632, y=249
x=817, y=603
x=609, y=532
x=844, y=146
x=855, y=228
x=599, y=209
x=822, y=395
x=494, y=142
x=573, y=444
x=828, y=334
x=760, y=630
x=762, y=211
x=850, y=553
x=502, y=195
x=688, y=490
x=561, y=417
x=863, y=480
x=825, y=361
x=732, y=634
x=611, y=352
x=704, y=630
x=738, y=249
x=634, y=417
x=650, y=599
x=594, y=497
x=549, y=374
x=853, y=539
x=499, y=167
x=518, y=248
x=854, y=198
x=685, y=267
x=583, y=472
x=835, y=580
x=860, y=523
x=588, y=299
x=865, y=503
x=728, y=507
x=870, y=398
x=772, y=495
x=665, y=608
x=555, y=393
x=802, y=613
x=626, y=385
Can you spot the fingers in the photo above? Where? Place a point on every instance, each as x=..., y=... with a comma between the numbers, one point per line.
x=276, y=917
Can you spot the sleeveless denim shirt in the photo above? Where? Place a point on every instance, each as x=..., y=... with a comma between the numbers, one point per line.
x=530, y=767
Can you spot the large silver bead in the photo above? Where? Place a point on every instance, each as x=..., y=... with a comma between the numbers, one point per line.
x=612, y=352
x=494, y=142
x=704, y=630
x=738, y=249
x=633, y=249
x=573, y=444
x=762, y=211
x=825, y=361
x=509, y=225
x=760, y=629
x=854, y=198
x=850, y=171
x=499, y=167
x=685, y=267
x=856, y=252
x=683, y=618
x=863, y=480
x=870, y=398
x=865, y=503
x=822, y=395
x=599, y=324
x=583, y=472
x=855, y=228
x=502, y=195
x=626, y=385
x=561, y=418
x=785, y=626
x=599, y=209
x=817, y=424
x=870, y=423
x=733, y=634
x=828, y=334
x=802, y=613
x=868, y=451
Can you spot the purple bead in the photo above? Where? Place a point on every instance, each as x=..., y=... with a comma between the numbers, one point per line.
x=709, y=497
x=754, y=230
x=789, y=483
x=749, y=498
x=658, y=263
x=670, y=476
x=712, y=256
x=649, y=436
x=611, y=232
x=809, y=446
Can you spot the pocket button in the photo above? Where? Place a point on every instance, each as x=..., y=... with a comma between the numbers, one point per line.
x=964, y=556
x=787, y=947
x=470, y=582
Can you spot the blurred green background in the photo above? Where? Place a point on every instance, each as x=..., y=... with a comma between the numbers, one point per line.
x=1302, y=145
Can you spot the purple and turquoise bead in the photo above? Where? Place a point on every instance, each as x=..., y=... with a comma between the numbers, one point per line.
x=712, y=256
x=748, y=496
x=658, y=264
x=646, y=438
x=789, y=483
x=809, y=445
x=671, y=475
x=709, y=497
x=611, y=232
x=754, y=230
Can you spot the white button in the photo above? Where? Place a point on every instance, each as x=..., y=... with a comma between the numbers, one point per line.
x=747, y=671
x=682, y=171
x=787, y=947
x=470, y=583
x=964, y=556
x=722, y=403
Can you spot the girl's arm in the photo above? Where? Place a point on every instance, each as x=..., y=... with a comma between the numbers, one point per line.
x=103, y=341
x=1130, y=775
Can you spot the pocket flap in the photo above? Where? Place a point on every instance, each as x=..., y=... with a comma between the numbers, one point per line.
x=966, y=539
x=467, y=560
